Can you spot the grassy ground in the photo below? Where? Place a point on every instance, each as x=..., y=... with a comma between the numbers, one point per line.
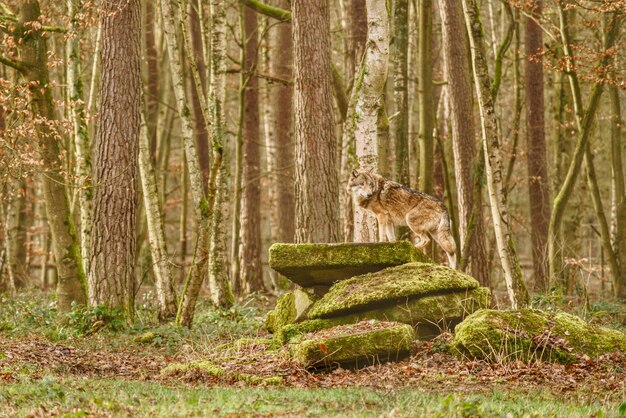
x=78, y=365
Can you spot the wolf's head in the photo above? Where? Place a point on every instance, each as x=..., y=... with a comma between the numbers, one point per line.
x=363, y=184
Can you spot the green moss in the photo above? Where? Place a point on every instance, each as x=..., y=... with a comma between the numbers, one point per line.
x=324, y=264
x=381, y=342
x=291, y=333
x=528, y=334
x=180, y=368
x=391, y=285
x=146, y=338
x=283, y=314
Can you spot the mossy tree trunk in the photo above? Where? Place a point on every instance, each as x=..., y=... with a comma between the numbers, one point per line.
x=34, y=66
x=219, y=284
x=518, y=295
x=161, y=265
x=368, y=106
x=80, y=134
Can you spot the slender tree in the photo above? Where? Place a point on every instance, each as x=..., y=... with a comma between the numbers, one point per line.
x=368, y=106
x=400, y=124
x=538, y=186
x=425, y=97
x=316, y=161
x=518, y=295
x=250, y=276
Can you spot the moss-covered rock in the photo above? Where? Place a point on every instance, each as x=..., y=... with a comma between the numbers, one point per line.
x=391, y=286
x=361, y=344
x=283, y=314
x=528, y=334
x=429, y=315
x=324, y=264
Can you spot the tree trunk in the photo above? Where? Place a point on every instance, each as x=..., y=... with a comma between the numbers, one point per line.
x=538, y=186
x=368, y=105
x=251, y=274
x=71, y=284
x=316, y=161
x=201, y=204
x=166, y=298
x=516, y=288
x=458, y=75
x=619, y=194
x=355, y=46
x=221, y=294
x=113, y=244
x=425, y=97
x=281, y=102
x=80, y=129
x=400, y=124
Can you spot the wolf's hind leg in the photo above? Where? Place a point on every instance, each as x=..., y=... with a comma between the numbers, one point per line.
x=444, y=238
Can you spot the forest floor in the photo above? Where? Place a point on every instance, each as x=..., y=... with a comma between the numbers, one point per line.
x=78, y=366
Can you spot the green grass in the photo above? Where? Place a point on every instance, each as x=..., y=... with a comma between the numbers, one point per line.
x=74, y=397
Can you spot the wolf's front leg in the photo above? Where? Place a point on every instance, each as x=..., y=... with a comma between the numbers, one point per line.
x=390, y=232
x=381, y=231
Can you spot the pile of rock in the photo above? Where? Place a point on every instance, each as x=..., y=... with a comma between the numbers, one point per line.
x=362, y=303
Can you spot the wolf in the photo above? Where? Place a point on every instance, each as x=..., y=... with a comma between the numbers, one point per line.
x=395, y=204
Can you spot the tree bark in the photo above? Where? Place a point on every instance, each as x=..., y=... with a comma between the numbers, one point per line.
x=458, y=76
x=518, y=295
x=425, y=97
x=619, y=193
x=400, y=125
x=316, y=161
x=368, y=105
x=221, y=294
x=281, y=102
x=113, y=244
x=538, y=186
x=251, y=274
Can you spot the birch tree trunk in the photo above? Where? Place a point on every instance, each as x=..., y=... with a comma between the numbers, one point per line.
x=113, y=243
x=316, y=162
x=459, y=77
x=219, y=284
x=200, y=203
x=368, y=105
x=161, y=265
x=80, y=129
x=516, y=289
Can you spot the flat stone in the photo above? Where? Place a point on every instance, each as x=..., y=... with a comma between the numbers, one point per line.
x=356, y=345
x=528, y=335
x=311, y=265
x=393, y=287
x=303, y=302
x=429, y=315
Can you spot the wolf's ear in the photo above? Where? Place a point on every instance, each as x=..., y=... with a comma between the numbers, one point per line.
x=354, y=173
